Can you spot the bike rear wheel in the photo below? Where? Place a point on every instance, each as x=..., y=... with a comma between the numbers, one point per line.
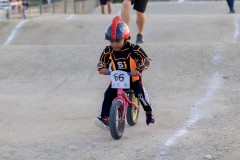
x=116, y=121
x=132, y=112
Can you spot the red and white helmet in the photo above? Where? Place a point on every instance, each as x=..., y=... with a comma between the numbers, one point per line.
x=117, y=30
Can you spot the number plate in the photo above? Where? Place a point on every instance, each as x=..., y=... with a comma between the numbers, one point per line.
x=120, y=79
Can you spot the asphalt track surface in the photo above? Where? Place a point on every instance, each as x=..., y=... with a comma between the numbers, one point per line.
x=50, y=91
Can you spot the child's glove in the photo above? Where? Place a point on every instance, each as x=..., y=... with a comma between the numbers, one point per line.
x=135, y=73
x=103, y=71
x=99, y=66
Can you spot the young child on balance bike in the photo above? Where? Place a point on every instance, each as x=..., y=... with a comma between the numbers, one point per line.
x=128, y=57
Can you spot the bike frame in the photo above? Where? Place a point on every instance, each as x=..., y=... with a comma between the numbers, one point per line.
x=121, y=95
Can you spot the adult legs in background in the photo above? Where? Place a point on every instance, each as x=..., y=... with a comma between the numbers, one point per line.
x=109, y=5
x=231, y=6
x=141, y=19
x=140, y=7
x=126, y=11
x=103, y=3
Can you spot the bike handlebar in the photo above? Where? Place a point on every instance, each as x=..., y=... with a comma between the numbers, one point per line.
x=129, y=73
x=109, y=72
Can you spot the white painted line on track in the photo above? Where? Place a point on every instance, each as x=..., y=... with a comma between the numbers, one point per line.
x=70, y=17
x=237, y=28
x=218, y=55
x=195, y=114
x=214, y=83
x=14, y=32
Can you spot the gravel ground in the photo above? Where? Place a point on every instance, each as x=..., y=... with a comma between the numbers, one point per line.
x=51, y=92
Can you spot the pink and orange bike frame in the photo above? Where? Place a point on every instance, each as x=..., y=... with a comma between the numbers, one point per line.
x=121, y=95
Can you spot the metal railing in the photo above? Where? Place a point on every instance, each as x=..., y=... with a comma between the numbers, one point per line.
x=56, y=6
x=70, y=6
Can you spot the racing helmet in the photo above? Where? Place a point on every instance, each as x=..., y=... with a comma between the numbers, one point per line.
x=117, y=30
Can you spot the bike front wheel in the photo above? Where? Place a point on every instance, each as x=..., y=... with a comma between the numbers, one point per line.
x=116, y=120
x=132, y=112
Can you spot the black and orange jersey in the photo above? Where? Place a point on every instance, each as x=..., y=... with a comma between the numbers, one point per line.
x=130, y=57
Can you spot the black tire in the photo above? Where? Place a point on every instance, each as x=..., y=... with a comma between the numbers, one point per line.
x=116, y=121
x=132, y=112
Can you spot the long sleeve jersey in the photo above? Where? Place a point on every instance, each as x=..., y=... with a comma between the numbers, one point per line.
x=130, y=57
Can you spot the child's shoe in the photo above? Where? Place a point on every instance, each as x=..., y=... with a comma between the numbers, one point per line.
x=150, y=119
x=102, y=123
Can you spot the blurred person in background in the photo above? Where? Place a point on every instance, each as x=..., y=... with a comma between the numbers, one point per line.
x=103, y=3
x=231, y=6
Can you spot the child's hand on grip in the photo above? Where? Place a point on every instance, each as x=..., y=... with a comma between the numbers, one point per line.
x=103, y=71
